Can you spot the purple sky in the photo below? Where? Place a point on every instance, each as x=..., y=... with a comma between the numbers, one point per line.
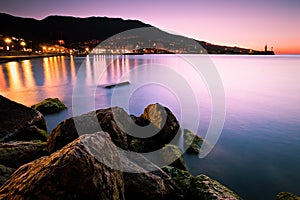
x=250, y=24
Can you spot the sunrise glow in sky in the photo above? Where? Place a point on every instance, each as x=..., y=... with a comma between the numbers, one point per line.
x=250, y=24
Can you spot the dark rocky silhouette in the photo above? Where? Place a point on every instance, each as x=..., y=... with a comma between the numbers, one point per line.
x=71, y=173
x=20, y=123
x=78, y=30
x=71, y=29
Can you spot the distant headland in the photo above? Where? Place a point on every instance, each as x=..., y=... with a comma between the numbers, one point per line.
x=78, y=36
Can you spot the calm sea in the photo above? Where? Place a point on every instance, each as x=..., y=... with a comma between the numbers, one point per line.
x=257, y=153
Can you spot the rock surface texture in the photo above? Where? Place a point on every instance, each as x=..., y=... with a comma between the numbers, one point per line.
x=49, y=105
x=18, y=122
x=71, y=173
x=104, y=154
x=16, y=154
x=286, y=196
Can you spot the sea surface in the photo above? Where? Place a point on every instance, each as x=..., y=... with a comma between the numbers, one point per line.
x=257, y=152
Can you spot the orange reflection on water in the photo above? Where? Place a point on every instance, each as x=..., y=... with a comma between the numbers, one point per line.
x=72, y=68
x=55, y=71
x=15, y=81
x=2, y=80
x=63, y=74
x=28, y=75
x=47, y=71
x=88, y=71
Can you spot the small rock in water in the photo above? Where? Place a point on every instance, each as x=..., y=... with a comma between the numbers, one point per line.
x=49, y=105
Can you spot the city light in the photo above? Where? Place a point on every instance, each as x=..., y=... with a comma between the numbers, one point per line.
x=7, y=40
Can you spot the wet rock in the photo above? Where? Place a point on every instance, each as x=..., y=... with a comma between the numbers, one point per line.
x=113, y=120
x=160, y=128
x=207, y=188
x=15, y=154
x=30, y=133
x=124, y=130
x=192, y=142
x=172, y=154
x=181, y=180
x=49, y=105
x=199, y=187
x=147, y=186
x=144, y=180
x=163, y=120
x=70, y=173
x=64, y=133
x=286, y=196
x=5, y=173
x=18, y=122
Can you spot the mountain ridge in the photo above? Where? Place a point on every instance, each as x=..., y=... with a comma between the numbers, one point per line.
x=73, y=29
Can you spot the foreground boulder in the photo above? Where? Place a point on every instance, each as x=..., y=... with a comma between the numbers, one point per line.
x=18, y=122
x=15, y=154
x=143, y=179
x=71, y=173
x=49, y=105
x=102, y=119
x=125, y=130
x=161, y=121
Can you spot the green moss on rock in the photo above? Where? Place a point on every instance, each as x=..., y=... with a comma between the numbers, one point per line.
x=29, y=134
x=192, y=142
x=49, y=105
x=136, y=146
x=181, y=180
x=198, y=187
x=207, y=188
x=172, y=154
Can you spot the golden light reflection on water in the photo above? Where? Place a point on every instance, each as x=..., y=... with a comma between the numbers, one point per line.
x=23, y=82
x=28, y=75
x=29, y=81
x=72, y=68
x=2, y=80
x=15, y=81
x=89, y=80
x=55, y=71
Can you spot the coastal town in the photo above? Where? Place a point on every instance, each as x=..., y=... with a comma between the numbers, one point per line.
x=11, y=47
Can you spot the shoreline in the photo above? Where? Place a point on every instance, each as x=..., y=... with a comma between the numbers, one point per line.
x=4, y=59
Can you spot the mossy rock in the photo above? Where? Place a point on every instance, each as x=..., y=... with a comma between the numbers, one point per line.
x=181, y=180
x=198, y=187
x=49, y=105
x=286, y=196
x=29, y=134
x=16, y=154
x=136, y=145
x=207, y=188
x=172, y=154
x=18, y=122
x=192, y=142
